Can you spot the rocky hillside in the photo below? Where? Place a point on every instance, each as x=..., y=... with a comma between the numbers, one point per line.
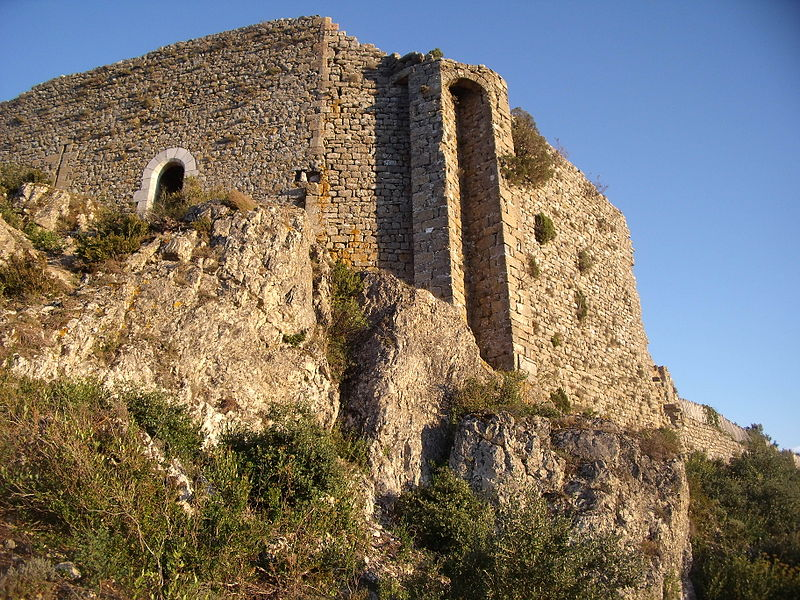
x=233, y=314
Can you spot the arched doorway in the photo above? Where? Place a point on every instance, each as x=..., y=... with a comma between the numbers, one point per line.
x=170, y=180
x=164, y=173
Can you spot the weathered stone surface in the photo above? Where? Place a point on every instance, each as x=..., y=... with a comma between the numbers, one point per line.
x=416, y=352
x=180, y=247
x=12, y=241
x=209, y=328
x=593, y=470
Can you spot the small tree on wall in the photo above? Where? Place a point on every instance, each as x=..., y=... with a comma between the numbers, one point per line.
x=532, y=161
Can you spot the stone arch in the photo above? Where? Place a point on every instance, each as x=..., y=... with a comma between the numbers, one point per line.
x=167, y=162
x=480, y=238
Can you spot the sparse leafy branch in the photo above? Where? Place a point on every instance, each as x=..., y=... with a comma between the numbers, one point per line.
x=532, y=162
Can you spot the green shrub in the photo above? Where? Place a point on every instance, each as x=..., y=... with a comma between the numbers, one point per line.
x=712, y=416
x=745, y=523
x=43, y=239
x=585, y=261
x=661, y=444
x=538, y=554
x=560, y=400
x=347, y=318
x=581, y=305
x=447, y=518
x=294, y=339
x=518, y=551
x=502, y=392
x=168, y=422
x=114, y=236
x=532, y=161
x=288, y=464
x=10, y=214
x=556, y=340
x=74, y=472
x=13, y=176
x=543, y=228
x=435, y=54
x=25, y=278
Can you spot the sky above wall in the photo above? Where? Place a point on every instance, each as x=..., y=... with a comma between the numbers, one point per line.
x=689, y=111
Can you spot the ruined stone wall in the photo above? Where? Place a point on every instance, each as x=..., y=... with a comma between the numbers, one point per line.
x=600, y=359
x=461, y=219
x=397, y=161
x=240, y=102
x=706, y=431
x=365, y=201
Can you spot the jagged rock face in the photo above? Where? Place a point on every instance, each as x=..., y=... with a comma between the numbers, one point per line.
x=417, y=350
x=48, y=206
x=206, y=321
x=594, y=470
x=12, y=241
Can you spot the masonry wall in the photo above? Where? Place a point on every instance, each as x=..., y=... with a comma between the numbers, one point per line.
x=242, y=102
x=364, y=201
x=600, y=360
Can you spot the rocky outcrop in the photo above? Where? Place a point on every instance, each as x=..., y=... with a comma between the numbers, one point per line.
x=416, y=352
x=12, y=242
x=229, y=315
x=203, y=319
x=593, y=470
x=49, y=207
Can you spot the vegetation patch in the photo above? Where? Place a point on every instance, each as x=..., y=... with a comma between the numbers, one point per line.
x=543, y=228
x=712, y=416
x=660, y=444
x=43, y=239
x=347, y=319
x=169, y=208
x=273, y=513
x=25, y=278
x=113, y=236
x=516, y=551
x=560, y=400
x=238, y=201
x=532, y=267
x=503, y=391
x=169, y=423
x=531, y=164
x=585, y=261
x=581, y=305
x=294, y=339
x=13, y=176
x=746, y=524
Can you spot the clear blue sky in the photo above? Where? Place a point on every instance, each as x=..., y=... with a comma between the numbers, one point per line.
x=688, y=110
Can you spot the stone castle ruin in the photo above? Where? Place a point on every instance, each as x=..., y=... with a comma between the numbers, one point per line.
x=397, y=160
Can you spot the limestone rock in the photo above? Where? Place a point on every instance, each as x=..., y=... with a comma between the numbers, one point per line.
x=180, y=247
x=46, y=206
x=12, y=241
x=593, y=470
x=209, y=329
x=68, y=570
x=417, y=350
